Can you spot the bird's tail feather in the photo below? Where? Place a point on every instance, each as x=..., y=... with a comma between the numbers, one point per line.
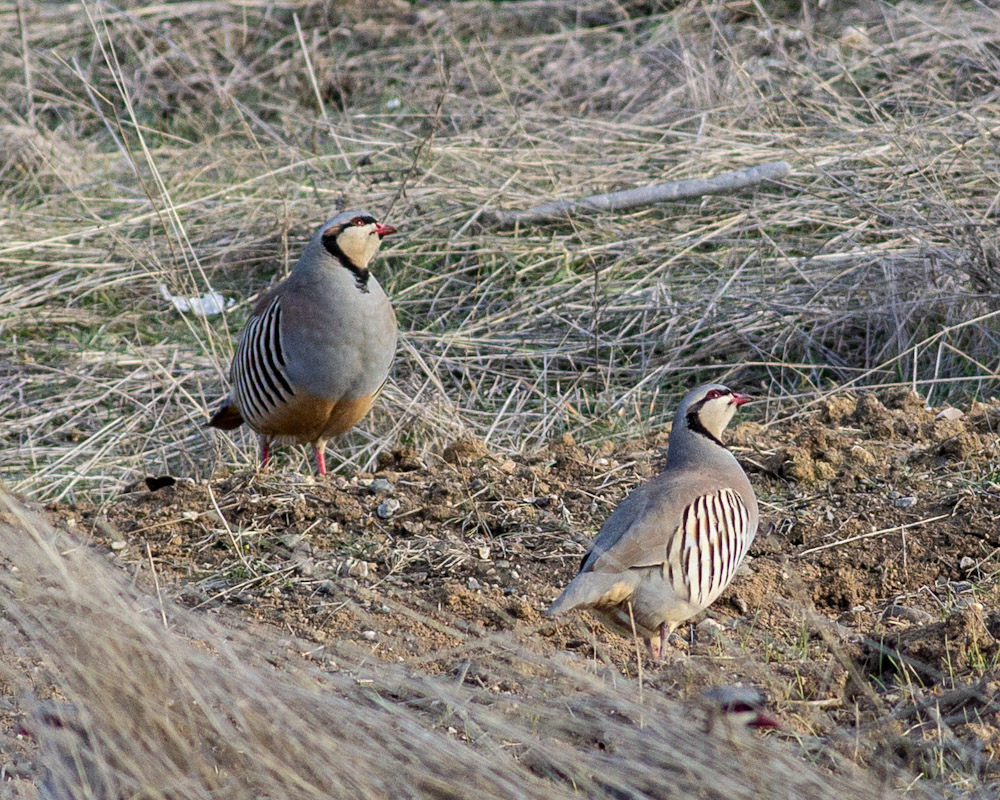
x=595, y=590
x=227, y=418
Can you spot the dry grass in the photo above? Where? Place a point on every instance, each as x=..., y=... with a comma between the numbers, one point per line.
x=196, y=145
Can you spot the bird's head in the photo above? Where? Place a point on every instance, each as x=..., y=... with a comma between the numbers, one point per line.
x=709, y=409
x=734, y=710
x=354, y=236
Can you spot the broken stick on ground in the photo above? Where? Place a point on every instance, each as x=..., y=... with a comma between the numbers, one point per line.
x=642, y=196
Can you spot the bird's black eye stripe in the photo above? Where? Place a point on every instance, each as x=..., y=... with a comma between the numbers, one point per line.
x=336, y=230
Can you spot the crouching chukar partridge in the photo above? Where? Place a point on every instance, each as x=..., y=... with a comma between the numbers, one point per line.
x=70, y=767
x=317, y=349
x=734, y=711
x=672, y=546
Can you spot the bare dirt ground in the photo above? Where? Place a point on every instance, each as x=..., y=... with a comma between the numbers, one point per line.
x=868, y=604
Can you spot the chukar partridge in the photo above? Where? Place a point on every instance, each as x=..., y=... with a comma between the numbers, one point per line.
x=69, y=766
x=732, y=711
x=317, y=349
x=672, y=546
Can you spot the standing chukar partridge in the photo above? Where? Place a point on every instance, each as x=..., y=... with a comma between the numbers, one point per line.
x=672, y=546
x=317, y=349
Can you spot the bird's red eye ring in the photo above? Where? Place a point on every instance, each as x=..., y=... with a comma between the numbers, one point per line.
x=713, y=394
x=358, y=221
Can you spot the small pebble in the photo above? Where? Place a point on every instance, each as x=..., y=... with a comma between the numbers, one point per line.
x=290, y=540
x=387, y=508
x=484, y=552
x=381, y=486
x=369, y=635
x=709, y=624
x=473, y=584
x=306, y=567
x=950, y=413
x=966, y=564
x=118, y=544
x=915, y=615
x=360, y=569
x=744, y=570
x=905, y=502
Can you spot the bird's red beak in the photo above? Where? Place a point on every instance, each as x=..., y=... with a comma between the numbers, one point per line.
x=763, y=720
x=738, y=398
x=383, y=230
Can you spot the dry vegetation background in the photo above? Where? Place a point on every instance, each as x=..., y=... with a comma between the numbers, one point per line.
x=197, y=145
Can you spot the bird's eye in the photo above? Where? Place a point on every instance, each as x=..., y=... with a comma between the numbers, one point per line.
x=739, y=707
x=358, y=221
x=713, y=394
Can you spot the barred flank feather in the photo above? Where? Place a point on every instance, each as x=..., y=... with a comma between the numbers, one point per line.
x=709, y=545
x=258, y=374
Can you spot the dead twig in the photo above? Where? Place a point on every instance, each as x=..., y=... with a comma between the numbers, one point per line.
x=642, y=196
x=882, y=532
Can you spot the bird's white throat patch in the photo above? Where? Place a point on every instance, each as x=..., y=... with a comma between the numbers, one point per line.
x=359, y=243
x=716, y=414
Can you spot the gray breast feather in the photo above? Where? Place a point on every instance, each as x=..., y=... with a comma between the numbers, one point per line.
x=341, y=354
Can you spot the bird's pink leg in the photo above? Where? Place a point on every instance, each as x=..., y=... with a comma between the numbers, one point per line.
x=320, y=459
x=664, y=635
x=265, y=453
x=654, y=649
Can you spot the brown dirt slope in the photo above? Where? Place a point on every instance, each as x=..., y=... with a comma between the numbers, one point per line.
x=868, y=608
